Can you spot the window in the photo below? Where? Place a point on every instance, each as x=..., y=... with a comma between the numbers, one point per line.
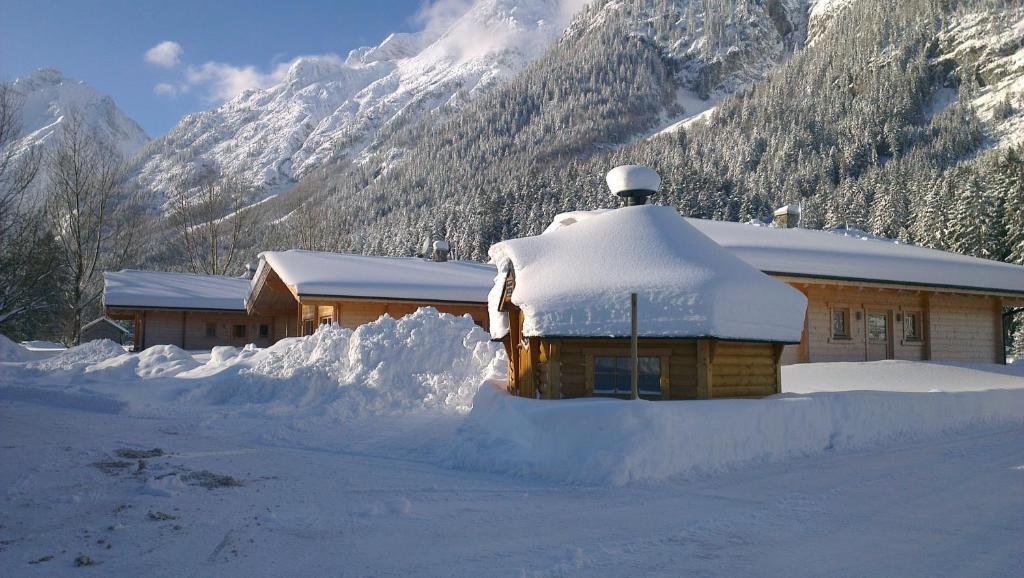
x=840, y=323
x=325, y=320
x=239, y=331
x=912, y=326
x=307, y=327
x=211, y=330
x=612, y=376
x=264, y=330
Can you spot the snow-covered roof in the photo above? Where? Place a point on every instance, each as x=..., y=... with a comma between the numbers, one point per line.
x=313, y=273
x=161, y=290
x=834, y=255
x=576, y=281
x=845, y=255
x=787, y=210
x=106, y=320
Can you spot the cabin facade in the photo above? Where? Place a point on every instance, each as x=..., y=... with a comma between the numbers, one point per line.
x=305, y=289
x=708, y=325
x=872, y=299
x=189, y=311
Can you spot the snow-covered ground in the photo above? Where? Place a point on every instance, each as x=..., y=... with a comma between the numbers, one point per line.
x=378, y=452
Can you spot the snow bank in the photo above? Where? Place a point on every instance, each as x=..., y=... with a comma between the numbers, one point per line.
x=11, y=351
x=425, y=360
x=153, y=362
x=606, y=441
x=79, y=357
x=900, y=376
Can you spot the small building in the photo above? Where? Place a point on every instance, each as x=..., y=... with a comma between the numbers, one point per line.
x=105, y=328
x=190, y=311
x=709, y=325
x=304, y=289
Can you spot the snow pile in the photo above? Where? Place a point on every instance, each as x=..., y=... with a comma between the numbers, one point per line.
x=425, y=360
x=156, y=361
x=11, y=351
x=576, y=281
x=80, y=357
x=606, y=441
x=900, y=376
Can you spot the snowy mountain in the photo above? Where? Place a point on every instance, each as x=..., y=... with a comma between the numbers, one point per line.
x=49, y=98
x=330, y=107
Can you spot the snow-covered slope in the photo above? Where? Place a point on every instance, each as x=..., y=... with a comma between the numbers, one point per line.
x=328, y=107
x=718, y=55
x=989, y=45
x=49, y=98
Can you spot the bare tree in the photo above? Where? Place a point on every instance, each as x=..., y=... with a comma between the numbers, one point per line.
x=95, y=219
x=212, y=214
x=23, y=274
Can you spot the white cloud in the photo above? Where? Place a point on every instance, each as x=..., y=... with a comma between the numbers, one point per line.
x=167, y=54
x=167, y=89
x=225, y=81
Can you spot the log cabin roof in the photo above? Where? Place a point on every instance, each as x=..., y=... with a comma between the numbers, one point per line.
x=133, y=289
x=847, y=256
x=576, y=282
x=339, y=275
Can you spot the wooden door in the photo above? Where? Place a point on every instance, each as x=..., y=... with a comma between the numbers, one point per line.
x=878, y=331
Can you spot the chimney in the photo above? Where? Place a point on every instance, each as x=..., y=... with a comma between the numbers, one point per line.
x=250, y=271
x=441, y=250
x=787, y=217
x=634, y=183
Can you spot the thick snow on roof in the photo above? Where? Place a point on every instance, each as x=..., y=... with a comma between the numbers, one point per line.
x=341, y=275
x=576, y=281
x=805, y=252
x=843, y=255
x=153, y=289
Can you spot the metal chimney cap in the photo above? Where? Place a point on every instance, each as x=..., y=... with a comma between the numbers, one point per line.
x=634, y=182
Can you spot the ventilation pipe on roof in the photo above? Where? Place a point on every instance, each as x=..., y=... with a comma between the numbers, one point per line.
x=435, y=251
x=787, y=217
x=634, y=183
x=441, y=250
x=250, y=271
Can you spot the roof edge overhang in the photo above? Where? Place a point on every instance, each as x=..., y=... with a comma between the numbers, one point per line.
x=336, y=297
x=165, y=308
x=807, y=277
x=658, y=337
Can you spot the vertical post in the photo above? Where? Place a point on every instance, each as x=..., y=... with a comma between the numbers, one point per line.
x=635, y=376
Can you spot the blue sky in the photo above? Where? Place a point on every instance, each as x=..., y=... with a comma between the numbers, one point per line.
x=104, y=42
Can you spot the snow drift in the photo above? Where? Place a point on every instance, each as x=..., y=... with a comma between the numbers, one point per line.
x=80, y=357
x=425, y=360
x=11, y=351
x=606, y=441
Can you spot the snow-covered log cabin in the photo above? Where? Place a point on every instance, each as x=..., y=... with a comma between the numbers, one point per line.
x=871, y=298
x=310, y=288
x=708, y=324
x=190, y=311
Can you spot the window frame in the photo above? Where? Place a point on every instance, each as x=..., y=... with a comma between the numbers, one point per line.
x=662, y=353
x=234, y=331
x=626, y=369
x=847, y=313
x=918, y=324
x=264, y=330
x=211, y=329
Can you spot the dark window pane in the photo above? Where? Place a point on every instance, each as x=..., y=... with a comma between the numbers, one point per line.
x=612, y=376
